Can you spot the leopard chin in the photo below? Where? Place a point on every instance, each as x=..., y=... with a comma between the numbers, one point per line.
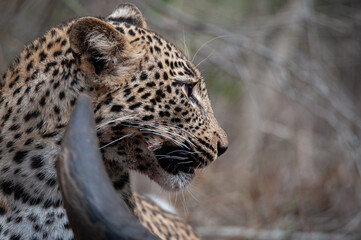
x=171, y=172
x=171, y=182
x=169, y=165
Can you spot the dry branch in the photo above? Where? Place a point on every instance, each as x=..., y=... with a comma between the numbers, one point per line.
x=257, y=234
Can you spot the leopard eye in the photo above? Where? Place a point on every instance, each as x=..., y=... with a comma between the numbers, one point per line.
x=189, y=88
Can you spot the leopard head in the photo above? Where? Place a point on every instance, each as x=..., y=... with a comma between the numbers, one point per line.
x=151, y=104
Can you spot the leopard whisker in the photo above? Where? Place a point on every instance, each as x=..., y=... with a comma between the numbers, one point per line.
x=182, y=137
x=186, y=162
x=209, y=55
x=209, y=41
x=165, y=136
x=192, y=194
x=166, y=127
x=116, y=140
x=152, y=129
x=123, y=118
x=198, y=167
x=176, y=198
x=174, y=134
x=182, y=152
x=184, y=203
x=171, y=157
x=178, y=128
x=186, y=50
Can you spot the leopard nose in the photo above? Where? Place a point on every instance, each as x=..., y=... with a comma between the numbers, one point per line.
x=222, y=144
x=221, y=148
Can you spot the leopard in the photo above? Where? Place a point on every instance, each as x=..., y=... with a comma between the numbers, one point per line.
x=151, y=109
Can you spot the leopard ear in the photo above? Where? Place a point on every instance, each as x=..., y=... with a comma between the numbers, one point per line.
x=129, y=13
x=99, y=48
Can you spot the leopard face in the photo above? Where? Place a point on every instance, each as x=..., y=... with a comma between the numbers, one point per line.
x=152, y=110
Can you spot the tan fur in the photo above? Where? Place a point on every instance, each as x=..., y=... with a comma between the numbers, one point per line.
x=160, y=222
x=4, y=206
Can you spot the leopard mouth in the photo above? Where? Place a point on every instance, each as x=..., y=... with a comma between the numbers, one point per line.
x=175, y=159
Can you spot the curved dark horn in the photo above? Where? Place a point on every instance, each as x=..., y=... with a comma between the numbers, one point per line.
x=93, y=208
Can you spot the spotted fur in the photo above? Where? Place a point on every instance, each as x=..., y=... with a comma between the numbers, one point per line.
x=151, y=108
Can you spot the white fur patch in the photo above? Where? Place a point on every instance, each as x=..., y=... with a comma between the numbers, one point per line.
x=165, y=205
x=123, y=12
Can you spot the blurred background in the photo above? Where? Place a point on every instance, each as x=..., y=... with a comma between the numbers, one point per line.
x=284, y=81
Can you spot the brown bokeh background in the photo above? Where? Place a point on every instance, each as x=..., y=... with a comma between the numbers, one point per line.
x=284, y=81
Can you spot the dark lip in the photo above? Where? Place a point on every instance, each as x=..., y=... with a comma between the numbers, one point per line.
x=174, y=159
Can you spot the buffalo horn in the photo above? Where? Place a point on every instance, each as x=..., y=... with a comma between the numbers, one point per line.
x=93, y=208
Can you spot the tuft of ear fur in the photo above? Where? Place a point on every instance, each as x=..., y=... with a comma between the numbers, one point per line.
x=99, y=48
x=129, y=13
